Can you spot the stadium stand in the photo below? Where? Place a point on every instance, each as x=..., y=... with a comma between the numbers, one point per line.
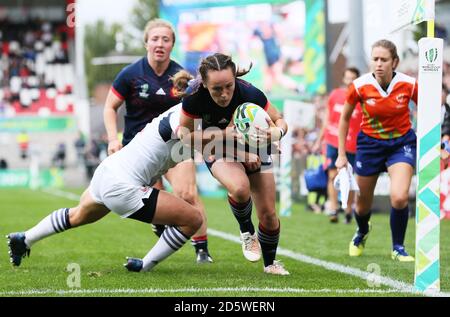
x=36, y=76
x=37, y=80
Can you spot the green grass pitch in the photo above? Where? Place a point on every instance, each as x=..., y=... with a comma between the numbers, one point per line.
x=99, y=250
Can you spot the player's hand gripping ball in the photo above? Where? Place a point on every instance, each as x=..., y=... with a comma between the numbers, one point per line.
x=246, y=118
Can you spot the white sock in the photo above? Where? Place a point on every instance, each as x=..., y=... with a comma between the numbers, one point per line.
x=170, y=241
x=56, y=222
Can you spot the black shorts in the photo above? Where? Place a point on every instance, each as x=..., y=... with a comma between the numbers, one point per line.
x=146, y=213
x=267, y=165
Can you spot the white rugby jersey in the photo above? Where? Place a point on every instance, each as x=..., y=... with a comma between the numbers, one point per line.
x=149, y=155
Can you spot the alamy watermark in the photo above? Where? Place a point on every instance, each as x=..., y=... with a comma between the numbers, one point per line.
x=70, y=21
x=74, y=278
x=226, y=145
x=374, y=278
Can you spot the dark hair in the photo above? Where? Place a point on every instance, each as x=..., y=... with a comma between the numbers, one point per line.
x=185, y=84
x=444, y=88
x=353, y=70
x=390, y=46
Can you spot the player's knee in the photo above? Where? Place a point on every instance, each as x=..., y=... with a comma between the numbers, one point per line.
x=240, y=192
x=188, y=196
x=363, y=204
x=196, y=219
x=77, y=217
x=269, y=219
x=399, y=201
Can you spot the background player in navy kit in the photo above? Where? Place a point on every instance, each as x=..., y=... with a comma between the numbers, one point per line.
x=147, y=90
x=213, y=97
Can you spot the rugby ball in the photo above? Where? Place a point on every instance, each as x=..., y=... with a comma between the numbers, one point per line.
x=246, y=117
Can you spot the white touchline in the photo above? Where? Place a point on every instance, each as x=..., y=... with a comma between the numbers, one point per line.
x=331, y=266
x=200, y=290
x=63, y=194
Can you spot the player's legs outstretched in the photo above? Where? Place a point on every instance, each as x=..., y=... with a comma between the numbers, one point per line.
x=63, y=219
x=233, y=177
x=184, y=220
x=263, y=193
x=184, y=185
x=156, y=228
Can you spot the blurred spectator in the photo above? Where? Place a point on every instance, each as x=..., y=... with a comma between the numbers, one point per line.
x=3, y=164
x=92, y=158
x=59, y=158
x=300, y=150
x=329, y=134
x=103, y=146
x=441, y=32
x=445, y=115
x=80, y=145
x=23, y=140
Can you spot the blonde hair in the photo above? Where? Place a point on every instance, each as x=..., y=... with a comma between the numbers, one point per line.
x=185, y=84
x=156, y=23
x=181, y=82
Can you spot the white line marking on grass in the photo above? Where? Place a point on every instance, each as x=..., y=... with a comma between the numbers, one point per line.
x=402, y=287
x=331, y=266
x=63, y=194
x=200, y=290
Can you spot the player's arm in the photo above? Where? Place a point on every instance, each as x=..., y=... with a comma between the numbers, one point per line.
x=201, y=140
x=191, y=136
x=112, y=104
x=344, y=124
x=277, y=126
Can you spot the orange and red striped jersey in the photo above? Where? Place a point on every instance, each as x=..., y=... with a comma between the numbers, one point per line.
x=385, y=113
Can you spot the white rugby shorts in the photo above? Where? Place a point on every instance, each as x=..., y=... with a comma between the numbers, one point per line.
x=118, y=196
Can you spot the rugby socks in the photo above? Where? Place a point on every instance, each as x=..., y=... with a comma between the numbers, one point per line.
x=269, y=243
x=243, y=214
x=200, y=243
x=363, y=222
x=56, y=222
x=399, y=222
x=170, y=241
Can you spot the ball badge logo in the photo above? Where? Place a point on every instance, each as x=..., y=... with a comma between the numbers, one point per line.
x=431, y=55
x=242, y=120
x=245, y=118
x=144, y=91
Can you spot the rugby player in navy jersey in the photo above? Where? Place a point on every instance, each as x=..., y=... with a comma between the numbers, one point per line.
x=213, y=97
x=147, y=90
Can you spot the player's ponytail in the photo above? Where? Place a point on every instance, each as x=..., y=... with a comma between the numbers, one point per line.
x=243, y=71
x=185, y=84
x=217, y=62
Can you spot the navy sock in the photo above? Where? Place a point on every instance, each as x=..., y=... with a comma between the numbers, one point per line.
x=243, y=214
x=200, y=243
x=269, y=243
x=363, y=222
x=399, y=222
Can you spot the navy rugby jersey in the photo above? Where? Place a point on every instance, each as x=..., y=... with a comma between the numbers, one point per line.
x=200, y=105
x=146, y=95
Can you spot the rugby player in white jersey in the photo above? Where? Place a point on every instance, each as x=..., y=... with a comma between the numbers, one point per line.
x=122, y=184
